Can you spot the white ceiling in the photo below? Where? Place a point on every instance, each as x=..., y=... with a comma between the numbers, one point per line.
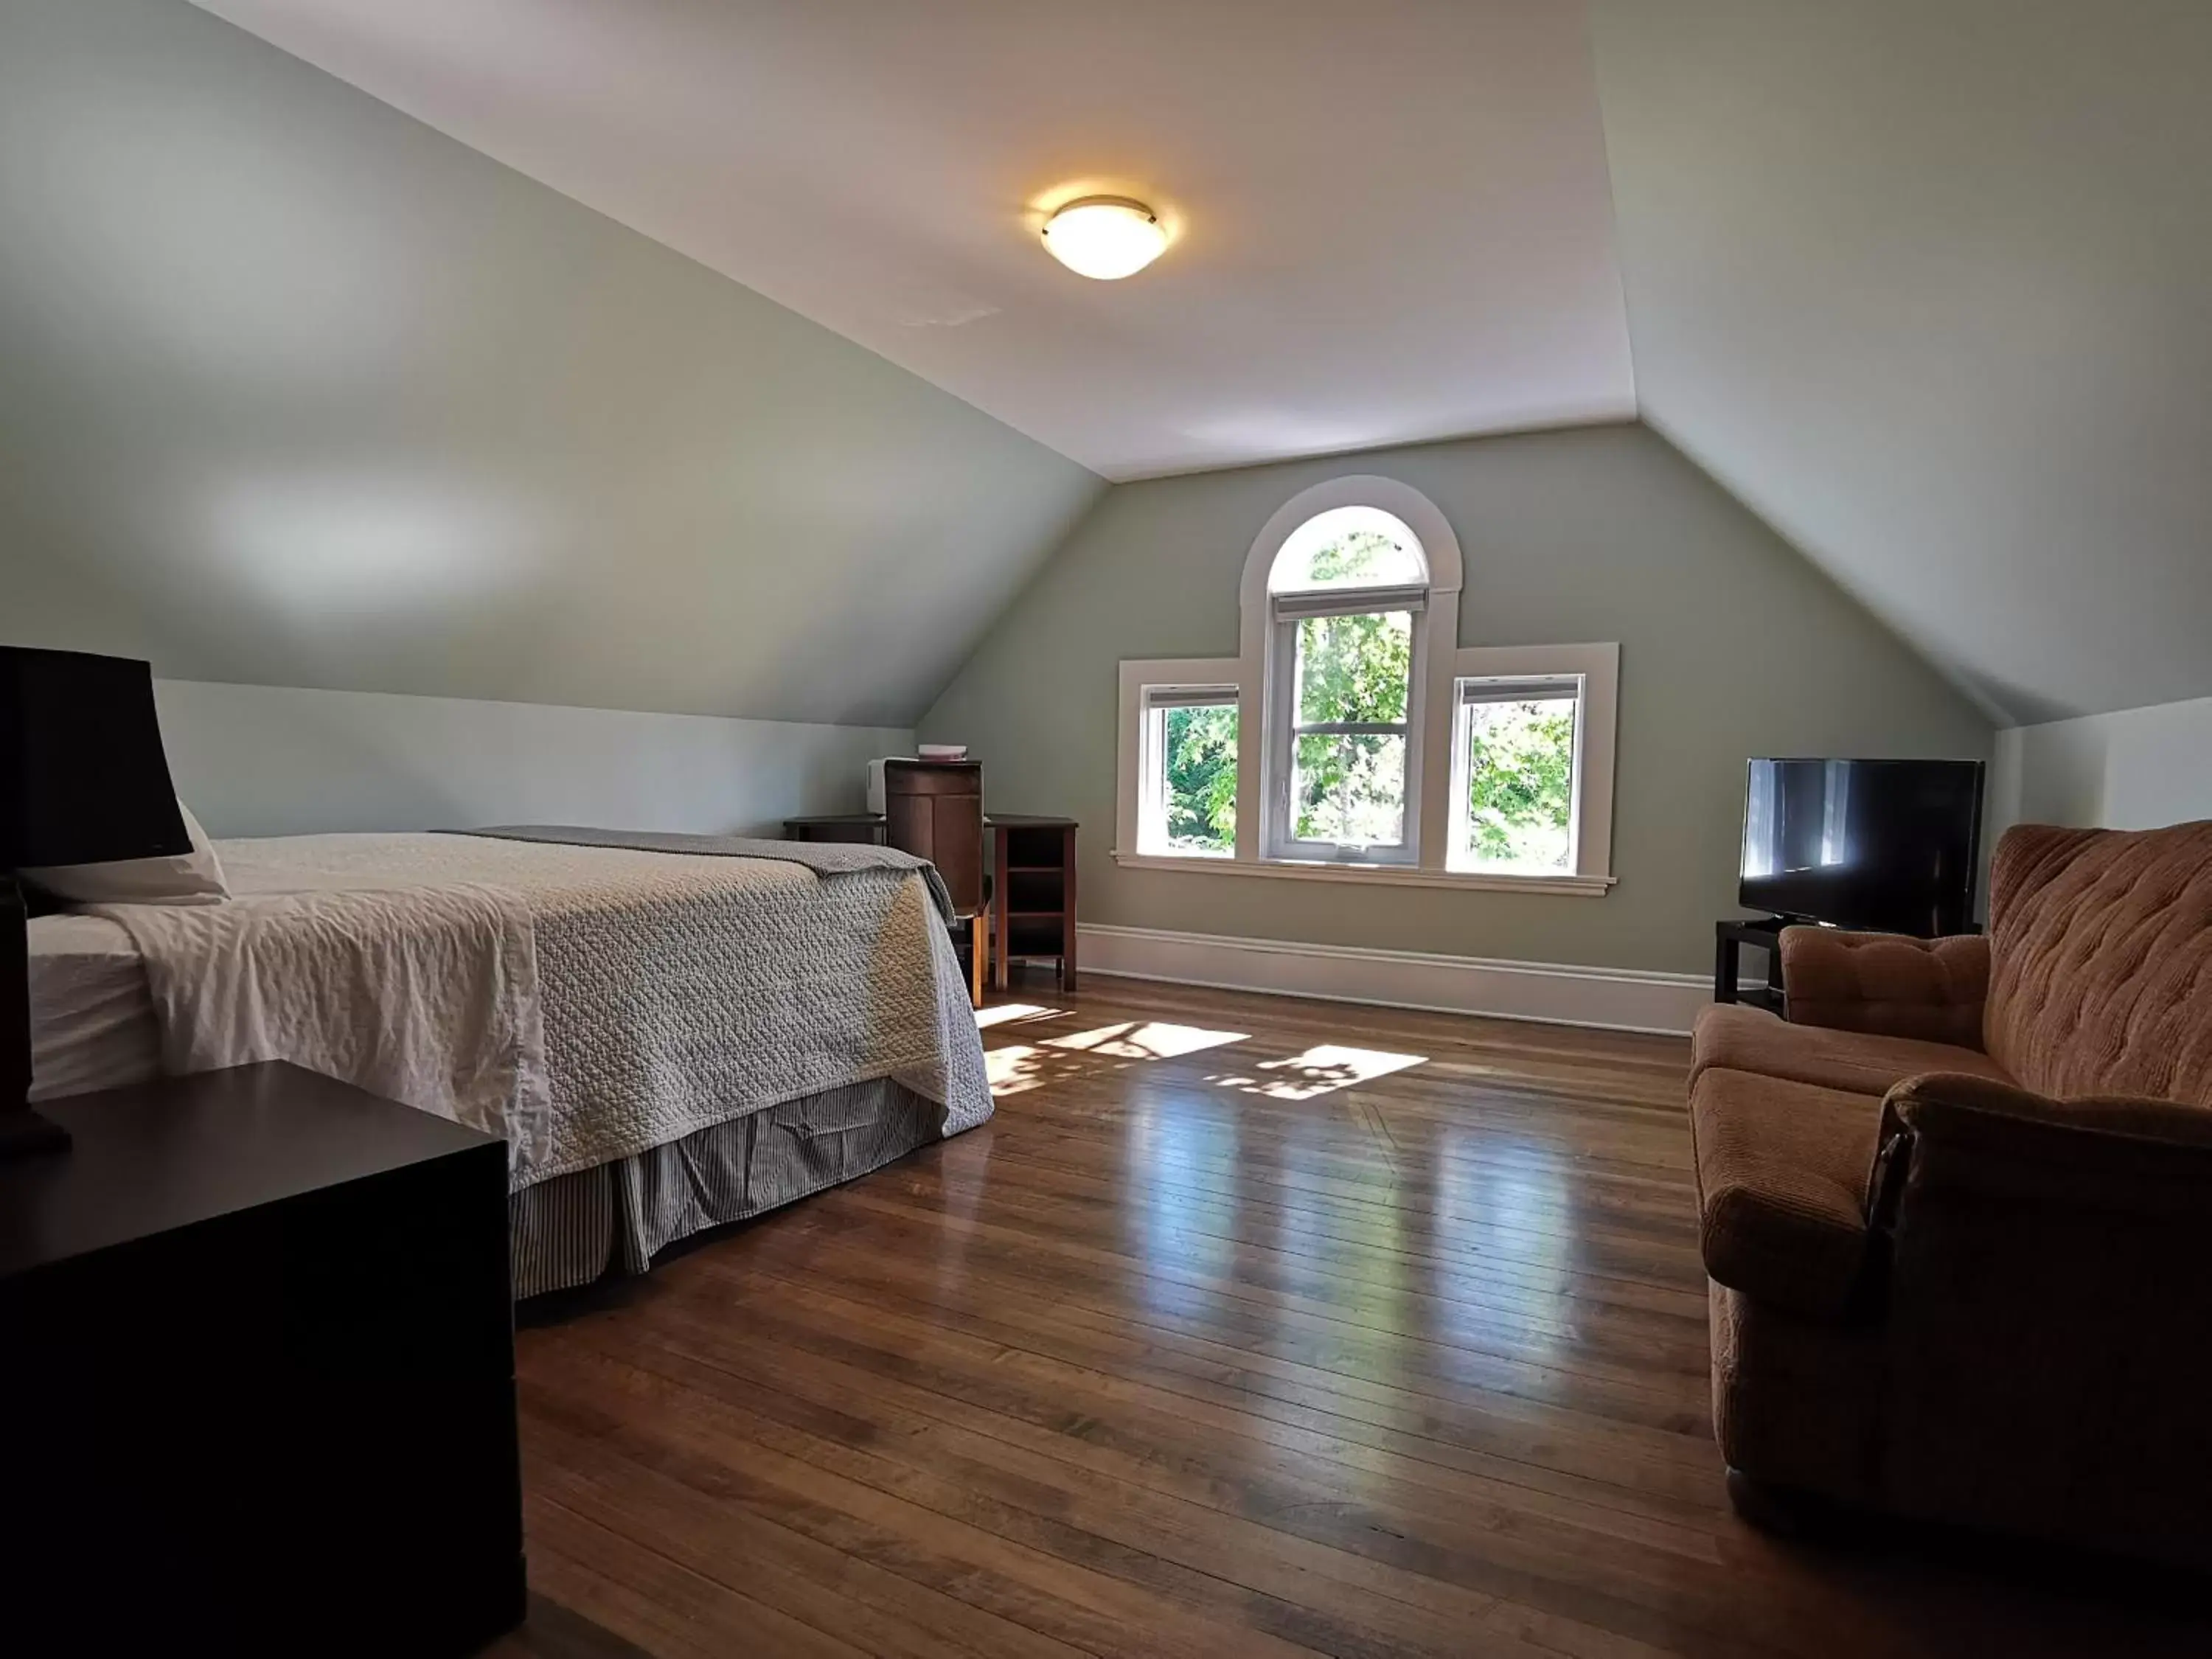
x=1393, y=221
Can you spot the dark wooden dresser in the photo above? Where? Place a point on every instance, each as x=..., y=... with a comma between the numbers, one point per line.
x=257, y=1376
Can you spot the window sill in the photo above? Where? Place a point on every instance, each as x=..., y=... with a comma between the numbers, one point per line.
x=1373, y=874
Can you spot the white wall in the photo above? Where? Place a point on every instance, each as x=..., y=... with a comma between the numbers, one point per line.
x=257, y=760
x=2135, y=770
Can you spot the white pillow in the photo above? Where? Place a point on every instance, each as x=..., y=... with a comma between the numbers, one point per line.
x=193, y=877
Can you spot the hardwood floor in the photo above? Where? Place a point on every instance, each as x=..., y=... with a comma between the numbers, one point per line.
x=1249, y=1326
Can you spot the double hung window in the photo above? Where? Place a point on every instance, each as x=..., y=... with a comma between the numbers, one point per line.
x=1348, y=602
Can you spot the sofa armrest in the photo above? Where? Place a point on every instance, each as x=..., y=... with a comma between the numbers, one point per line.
x=1782, y=1196
x=1930, y=989
x=1961, y=1134
x=2045, y=1316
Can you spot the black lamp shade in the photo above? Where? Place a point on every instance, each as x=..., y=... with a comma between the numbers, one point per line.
x=83, y=778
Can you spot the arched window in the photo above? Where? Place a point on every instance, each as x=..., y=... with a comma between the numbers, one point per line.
x=1342, y=591
x=1348, y=601
x=1348, y=547
x=1352, y=736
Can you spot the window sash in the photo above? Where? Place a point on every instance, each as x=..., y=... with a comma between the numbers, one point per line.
x=1152, y=763
x=1354, y=729
x=1189, y=696
x=1370, y=851
x=1474, y=692
x=1349, y=601
x=1284, y=841
x=1551, y=688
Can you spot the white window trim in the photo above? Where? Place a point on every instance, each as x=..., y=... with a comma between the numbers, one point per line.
x=1139, y=679
x=1437, y=672
x=1429, y=754
x=1380, y=875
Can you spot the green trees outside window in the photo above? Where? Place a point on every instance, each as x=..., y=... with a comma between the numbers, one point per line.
x=1348, y=757
x=1520, y=782
x=1198, y=758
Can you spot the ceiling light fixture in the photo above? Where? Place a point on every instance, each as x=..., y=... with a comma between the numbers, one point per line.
x=1107, y=237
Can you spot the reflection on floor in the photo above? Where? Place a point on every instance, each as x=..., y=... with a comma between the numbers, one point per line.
x=1247, y=1325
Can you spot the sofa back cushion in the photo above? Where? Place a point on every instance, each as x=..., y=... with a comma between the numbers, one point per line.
x=2100, y=970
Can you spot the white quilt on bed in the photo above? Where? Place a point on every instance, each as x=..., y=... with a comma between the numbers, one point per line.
x=585, y=1002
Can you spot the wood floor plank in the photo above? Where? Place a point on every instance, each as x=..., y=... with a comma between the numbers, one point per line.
x=1446, y=1357
x=1586, y=1459
x=972, y=1556
x=1247, y=1326
x=1376, y=1302
x=1206, y=1569
x=1352, y=1279
x=1460, y=1412
x=748, y=1558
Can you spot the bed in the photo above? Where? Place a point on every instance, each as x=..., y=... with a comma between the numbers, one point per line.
x=669, y=1032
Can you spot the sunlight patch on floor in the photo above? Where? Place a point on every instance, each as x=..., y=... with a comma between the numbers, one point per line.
x=1021, y=1066
x=1322, y=1069
x=1011, y=1014
x=1148, y=1039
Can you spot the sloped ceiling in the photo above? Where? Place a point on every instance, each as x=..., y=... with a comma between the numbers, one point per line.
x=1929, y=284
x=1392, y=220
x=296, y=391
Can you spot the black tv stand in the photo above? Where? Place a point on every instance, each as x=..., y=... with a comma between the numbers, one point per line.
x=1729, y=939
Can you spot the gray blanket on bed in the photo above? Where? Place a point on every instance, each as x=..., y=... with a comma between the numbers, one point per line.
x=585, y=1002
x=823, y=857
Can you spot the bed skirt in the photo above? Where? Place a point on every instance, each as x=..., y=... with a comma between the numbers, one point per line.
x=575, y=1228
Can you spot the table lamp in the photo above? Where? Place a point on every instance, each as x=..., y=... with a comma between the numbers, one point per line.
x=84, y=779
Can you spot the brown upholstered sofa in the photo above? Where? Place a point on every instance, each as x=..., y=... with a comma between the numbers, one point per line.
x=1957, y=1208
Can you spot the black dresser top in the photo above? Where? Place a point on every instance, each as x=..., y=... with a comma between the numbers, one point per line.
x=163, y=1154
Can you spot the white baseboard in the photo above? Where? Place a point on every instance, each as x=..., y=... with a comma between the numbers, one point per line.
x=1554, y=994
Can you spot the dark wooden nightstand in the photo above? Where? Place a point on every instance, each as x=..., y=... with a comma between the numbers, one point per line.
x=257, y=1376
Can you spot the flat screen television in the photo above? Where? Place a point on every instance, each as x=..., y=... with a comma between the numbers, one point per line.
x=1888, y=845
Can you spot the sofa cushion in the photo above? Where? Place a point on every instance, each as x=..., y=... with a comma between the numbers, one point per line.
x=1740, y=1039
x=1781, y=1185
x=2101, y=975
x=1930, y=989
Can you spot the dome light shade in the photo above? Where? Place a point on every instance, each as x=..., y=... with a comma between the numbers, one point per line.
x=1106, y=237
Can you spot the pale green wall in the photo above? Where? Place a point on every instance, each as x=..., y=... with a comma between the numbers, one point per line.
x=296, y=391
x=1731, y=645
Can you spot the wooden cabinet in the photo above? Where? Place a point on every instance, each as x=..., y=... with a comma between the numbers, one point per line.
x=1033, y=894
x=935, y=810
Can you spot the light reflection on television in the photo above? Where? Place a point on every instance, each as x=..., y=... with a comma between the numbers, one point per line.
x=1885, y=845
